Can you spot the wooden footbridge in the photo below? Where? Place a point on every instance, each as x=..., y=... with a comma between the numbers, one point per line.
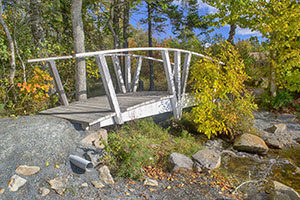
x=128, y=104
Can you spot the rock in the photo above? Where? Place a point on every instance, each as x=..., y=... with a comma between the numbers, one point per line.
x=27, y=170
x=15, y=183
x=58, y=184
x=286, y=117
x=276, y=142
x=297, y=170
x=216, y=144
x=207, y=158
x=277, y=128
x=97, y=184
x=282, y=191
x=180, y=162
x=2, y=191
x=105, y=175
x=250, y=143
x=44, y=191
x=150, y=182
x=95, y=139
x=84, y=185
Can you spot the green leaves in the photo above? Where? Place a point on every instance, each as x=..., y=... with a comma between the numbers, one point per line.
x=219, y=90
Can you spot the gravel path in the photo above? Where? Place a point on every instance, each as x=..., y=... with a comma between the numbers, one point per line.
x=44, y=140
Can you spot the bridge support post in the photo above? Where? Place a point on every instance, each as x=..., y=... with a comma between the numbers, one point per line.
x=170, y=80
x=109, y=88
x=58, y=83
x=185, y=74
x=137, y=72
x=117, y=67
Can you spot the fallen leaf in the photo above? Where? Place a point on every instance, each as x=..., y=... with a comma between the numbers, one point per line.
x=152, y=190
x=169, y=187
x=47, y=164
x=127, y=193
x=56, y=166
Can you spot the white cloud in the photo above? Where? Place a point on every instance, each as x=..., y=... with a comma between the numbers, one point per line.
x=246, y=31
x=207, y=8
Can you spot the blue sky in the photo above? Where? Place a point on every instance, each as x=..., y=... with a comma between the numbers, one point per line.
x=241, y=34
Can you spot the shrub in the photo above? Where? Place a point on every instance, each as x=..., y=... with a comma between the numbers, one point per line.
x=223, y=102
x=144, y=143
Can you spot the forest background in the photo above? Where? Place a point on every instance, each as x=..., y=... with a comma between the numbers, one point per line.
x=37, y=28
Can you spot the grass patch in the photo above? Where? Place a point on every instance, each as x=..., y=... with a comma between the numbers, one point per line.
x=144, y=143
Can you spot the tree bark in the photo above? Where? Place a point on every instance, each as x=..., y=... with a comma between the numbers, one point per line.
x=78, y=35
x=151, y=72
x=272, y=76
x=126, y=24
x=36, y=23
x=116, y=24
x=231, y=33
x=11, y=47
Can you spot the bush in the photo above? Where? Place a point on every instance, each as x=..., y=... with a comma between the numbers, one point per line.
x=144, y=143
x=223, y=102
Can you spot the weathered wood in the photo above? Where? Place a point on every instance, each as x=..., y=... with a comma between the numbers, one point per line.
x=128, y=73
x=58, y=83
x=109, y=88
x=177, y=79
x=137, y=72
x=185, y=74
x=118, y=72
x=170, y=80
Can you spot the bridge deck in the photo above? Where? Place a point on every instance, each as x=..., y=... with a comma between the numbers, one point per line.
x=96, y=111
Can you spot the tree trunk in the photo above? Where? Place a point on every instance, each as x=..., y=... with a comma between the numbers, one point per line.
x=11, y=47
x=231, y=33
x=272, y=76
x=151, y=72
x=36, y=24
x=78, y=35
x=116, y=24
x=126, y=24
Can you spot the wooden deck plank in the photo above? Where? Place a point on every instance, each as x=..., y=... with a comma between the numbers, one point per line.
x=97, y=109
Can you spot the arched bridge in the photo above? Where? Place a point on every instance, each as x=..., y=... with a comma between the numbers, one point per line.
x=128, y=104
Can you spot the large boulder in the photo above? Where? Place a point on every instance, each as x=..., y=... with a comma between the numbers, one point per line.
x=179, y=162
x=282, y=191
x=207, y=158
x=250, y=143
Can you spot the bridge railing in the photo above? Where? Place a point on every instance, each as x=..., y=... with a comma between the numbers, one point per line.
x=176, y=74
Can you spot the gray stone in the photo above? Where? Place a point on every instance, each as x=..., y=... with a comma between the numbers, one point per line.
x=15, y=183
x=286, y=117
x=282, y=191
x=95, y=139
x=208, y=159
x=250, y=143
x=44, y=191
x=105, y=176
x=216, y=144
x=27, y=170
x=58, y=184
x=2, y=191
x=179, y=162
x=150, y=182
x=97, y=184
x=277, y=128
x=276, y=142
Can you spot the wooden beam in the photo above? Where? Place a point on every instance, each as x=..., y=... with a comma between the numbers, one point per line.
x=117, y=67
x=185, y=74
x=58, y=83
x=137, y=72
x=170, y=80
x=128, y=73
x=109, y=88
